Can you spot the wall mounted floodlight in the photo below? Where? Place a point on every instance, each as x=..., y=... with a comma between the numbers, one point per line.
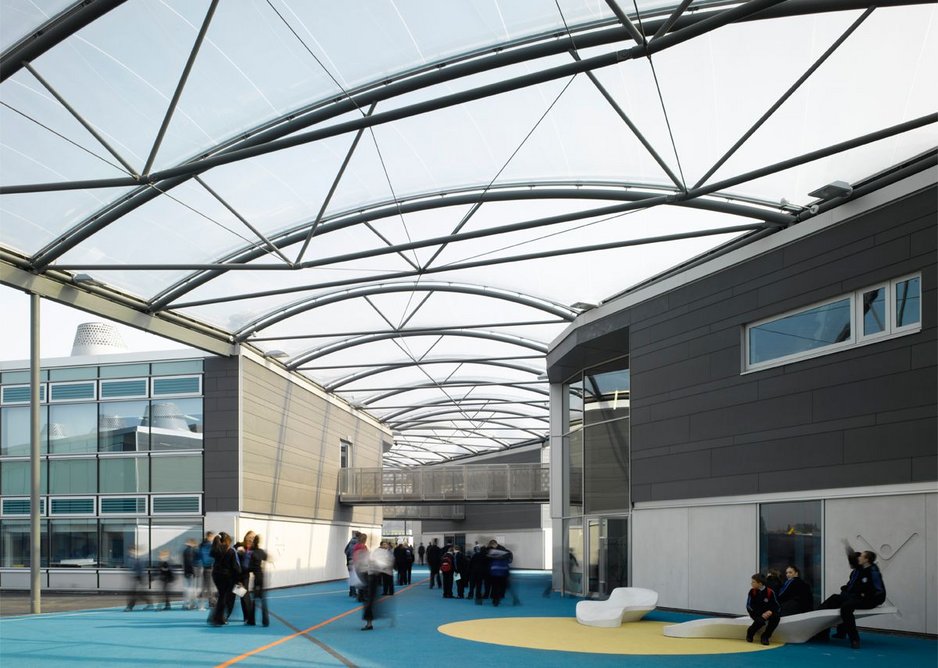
x=87, y=280
x=276, y=354
x=582, y=306
x=832, y=191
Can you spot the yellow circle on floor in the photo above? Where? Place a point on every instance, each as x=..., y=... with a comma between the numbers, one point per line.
x=566, y=634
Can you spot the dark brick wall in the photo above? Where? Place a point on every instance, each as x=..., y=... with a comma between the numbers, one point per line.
x=864, y=416
x=220, y=386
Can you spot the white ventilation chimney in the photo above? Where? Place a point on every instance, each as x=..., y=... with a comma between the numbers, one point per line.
x=97, y=338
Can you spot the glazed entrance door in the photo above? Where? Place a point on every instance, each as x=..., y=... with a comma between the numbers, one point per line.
x=608, y=554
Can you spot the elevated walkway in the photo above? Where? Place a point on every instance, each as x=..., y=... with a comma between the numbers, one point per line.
x=440, y=485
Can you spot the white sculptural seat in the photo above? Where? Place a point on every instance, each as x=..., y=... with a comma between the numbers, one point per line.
x=625, y=604
x=791, y=629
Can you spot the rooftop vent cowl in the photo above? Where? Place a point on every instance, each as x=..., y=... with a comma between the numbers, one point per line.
x=97, y=338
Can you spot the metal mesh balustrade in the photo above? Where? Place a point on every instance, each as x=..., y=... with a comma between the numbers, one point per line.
x=446, y=484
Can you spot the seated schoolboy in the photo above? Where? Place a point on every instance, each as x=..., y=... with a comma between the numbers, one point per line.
x=763, y=607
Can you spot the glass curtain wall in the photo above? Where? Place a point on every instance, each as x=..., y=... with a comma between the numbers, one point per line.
x=111, y=438
x=596, y=477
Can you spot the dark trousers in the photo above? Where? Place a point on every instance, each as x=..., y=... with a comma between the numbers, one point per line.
x=138, y=591
x=448, y=585
x=407, y=573
x=225, y=598
x=770, y=625
x=499, y=584
x=402, y=576
x=848, y=605
x=435, y=576
x=259, y=599
x=461, y=586
x=387, y=584
x=370, y=594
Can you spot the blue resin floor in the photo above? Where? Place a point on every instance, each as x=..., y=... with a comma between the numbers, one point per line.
x=319, y=625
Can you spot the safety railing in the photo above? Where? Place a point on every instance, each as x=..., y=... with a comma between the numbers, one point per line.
x=424, y=512
x=446, y=484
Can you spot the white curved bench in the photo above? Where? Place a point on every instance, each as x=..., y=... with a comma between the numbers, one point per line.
x=791, y=629
x=625, y=604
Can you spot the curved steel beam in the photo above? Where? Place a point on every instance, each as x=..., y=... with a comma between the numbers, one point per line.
x=328, y=349
x=462, y=382
x=477, y=432
x=452, y=409
x=571, y=190
x=309, y=303
x=286, y=138
x=332, y=387
x=449, y=402
x=51, y=33
x=418, y=419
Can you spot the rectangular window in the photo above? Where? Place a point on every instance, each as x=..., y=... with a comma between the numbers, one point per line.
x=169, y=536
x=908, y=302
x=15, y=477
x=345, y=454
x=21, y=506
x=74, y=542
x=790, y=534
x=859, y=318
x=73, y=428
x=73, y=476
x=819, y=327
x=874, y=311
x=123, y=426
x=124, y=474
x=177, y=505
x=118, y=537
x=15, y=430
x=176, y=474
x=14, y=543
x=175, y=424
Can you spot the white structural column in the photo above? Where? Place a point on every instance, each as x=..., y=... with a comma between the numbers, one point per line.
x=35, y=536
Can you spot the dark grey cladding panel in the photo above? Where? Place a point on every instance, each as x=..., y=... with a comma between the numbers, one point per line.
x=589, y=345
x=892, y=472
x=668, y=468
x=220, y=414
x=924, y=468
x=890, y=441
x=756, y=416
x=714, y=398
x=702, y=487
x=884, y=393
x=825, y=449
x=850, y=366
x=679, y=373
x=662, y=432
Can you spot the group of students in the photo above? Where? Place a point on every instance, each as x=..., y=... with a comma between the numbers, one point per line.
x=768, y=601
x=238, y=572
x=486, y=571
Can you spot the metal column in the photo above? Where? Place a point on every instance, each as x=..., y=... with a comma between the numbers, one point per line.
x=35, y=537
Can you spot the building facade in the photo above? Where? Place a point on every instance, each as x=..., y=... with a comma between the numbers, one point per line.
x=148, y=451
x=758, y=410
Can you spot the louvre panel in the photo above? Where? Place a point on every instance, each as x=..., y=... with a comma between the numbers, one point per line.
x=73, y=506
x=112, y=389
x=123, y=506
x=20, y=507
x=187, y=385
x=72, y=391
x=171, y=505
x=20, y=394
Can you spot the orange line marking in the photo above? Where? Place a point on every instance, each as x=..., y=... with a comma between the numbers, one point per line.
x=242, y=657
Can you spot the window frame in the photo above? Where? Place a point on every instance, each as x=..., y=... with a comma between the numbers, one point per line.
x=857, y=337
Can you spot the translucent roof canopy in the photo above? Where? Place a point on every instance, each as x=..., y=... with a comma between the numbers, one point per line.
x=407, y=200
